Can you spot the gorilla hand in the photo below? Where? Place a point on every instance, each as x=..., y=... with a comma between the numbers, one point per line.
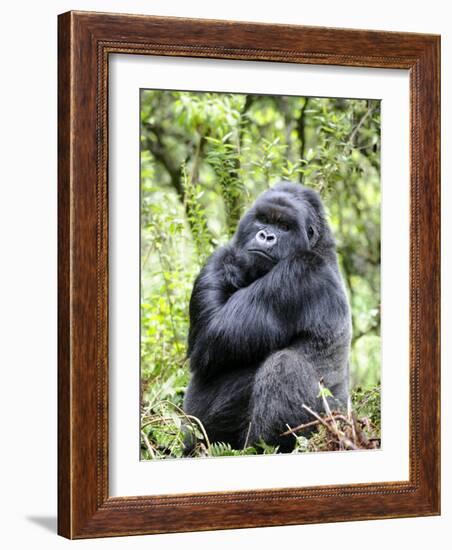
x=234, y=270
x=239, y=271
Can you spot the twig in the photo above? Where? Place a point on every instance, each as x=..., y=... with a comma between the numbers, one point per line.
x=314, y=423
x=326, y=405
x=247, y=436
x=152, y=421
x=351, y=418
x=340, y=436
x=358, y=127
x=146, y=256
x=319, y=418
x=189, y=417
x=343, y=418
x=301, y=427
x=148, y=444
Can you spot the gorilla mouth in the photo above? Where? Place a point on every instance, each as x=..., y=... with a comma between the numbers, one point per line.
x=262, y=253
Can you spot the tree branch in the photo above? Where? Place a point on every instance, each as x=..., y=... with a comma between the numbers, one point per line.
x=301, y=129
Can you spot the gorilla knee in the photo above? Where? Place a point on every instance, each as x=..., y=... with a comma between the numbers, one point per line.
x=285, y=370
x=283, y=383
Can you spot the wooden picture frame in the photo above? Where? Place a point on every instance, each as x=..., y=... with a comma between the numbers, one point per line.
x=85, y=42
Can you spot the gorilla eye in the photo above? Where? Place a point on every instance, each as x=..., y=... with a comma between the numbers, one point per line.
x=284, y=226
x=310, y=232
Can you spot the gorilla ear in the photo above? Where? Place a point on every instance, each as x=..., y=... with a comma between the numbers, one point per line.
x=315, y=233
x=304, y=241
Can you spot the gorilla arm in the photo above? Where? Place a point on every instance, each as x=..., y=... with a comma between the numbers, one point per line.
x=234, y=325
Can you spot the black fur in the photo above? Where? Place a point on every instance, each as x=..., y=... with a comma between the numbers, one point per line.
x=269, y=318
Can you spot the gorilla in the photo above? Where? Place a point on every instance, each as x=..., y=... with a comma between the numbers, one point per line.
x=269, y=319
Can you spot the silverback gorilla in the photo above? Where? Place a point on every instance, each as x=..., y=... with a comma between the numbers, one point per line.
x=269, y=318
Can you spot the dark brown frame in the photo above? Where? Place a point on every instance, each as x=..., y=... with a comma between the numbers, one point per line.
x=85, y=41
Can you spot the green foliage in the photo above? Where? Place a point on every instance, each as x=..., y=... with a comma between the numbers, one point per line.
x=225, y=449
x=367, y=404
x=325, y=392
x=205, y=157
x=196, y=217
x=224, y=157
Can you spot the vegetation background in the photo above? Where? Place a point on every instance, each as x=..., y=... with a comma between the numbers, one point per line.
x=204, y=159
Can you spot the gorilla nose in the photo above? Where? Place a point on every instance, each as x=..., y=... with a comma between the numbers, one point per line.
x=266, y=238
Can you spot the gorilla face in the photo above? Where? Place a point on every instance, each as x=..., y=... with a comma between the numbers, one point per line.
x=285, y=220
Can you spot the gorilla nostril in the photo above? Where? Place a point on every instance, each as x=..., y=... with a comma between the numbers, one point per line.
x=271, y=238
x=261, y=236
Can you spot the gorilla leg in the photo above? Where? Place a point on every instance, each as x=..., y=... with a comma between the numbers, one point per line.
x=283, y=383
x=221, y=405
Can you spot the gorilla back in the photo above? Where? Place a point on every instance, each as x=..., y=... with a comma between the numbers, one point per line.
x=269, y=318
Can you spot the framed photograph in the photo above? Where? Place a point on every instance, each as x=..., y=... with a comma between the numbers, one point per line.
x=248, y=275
